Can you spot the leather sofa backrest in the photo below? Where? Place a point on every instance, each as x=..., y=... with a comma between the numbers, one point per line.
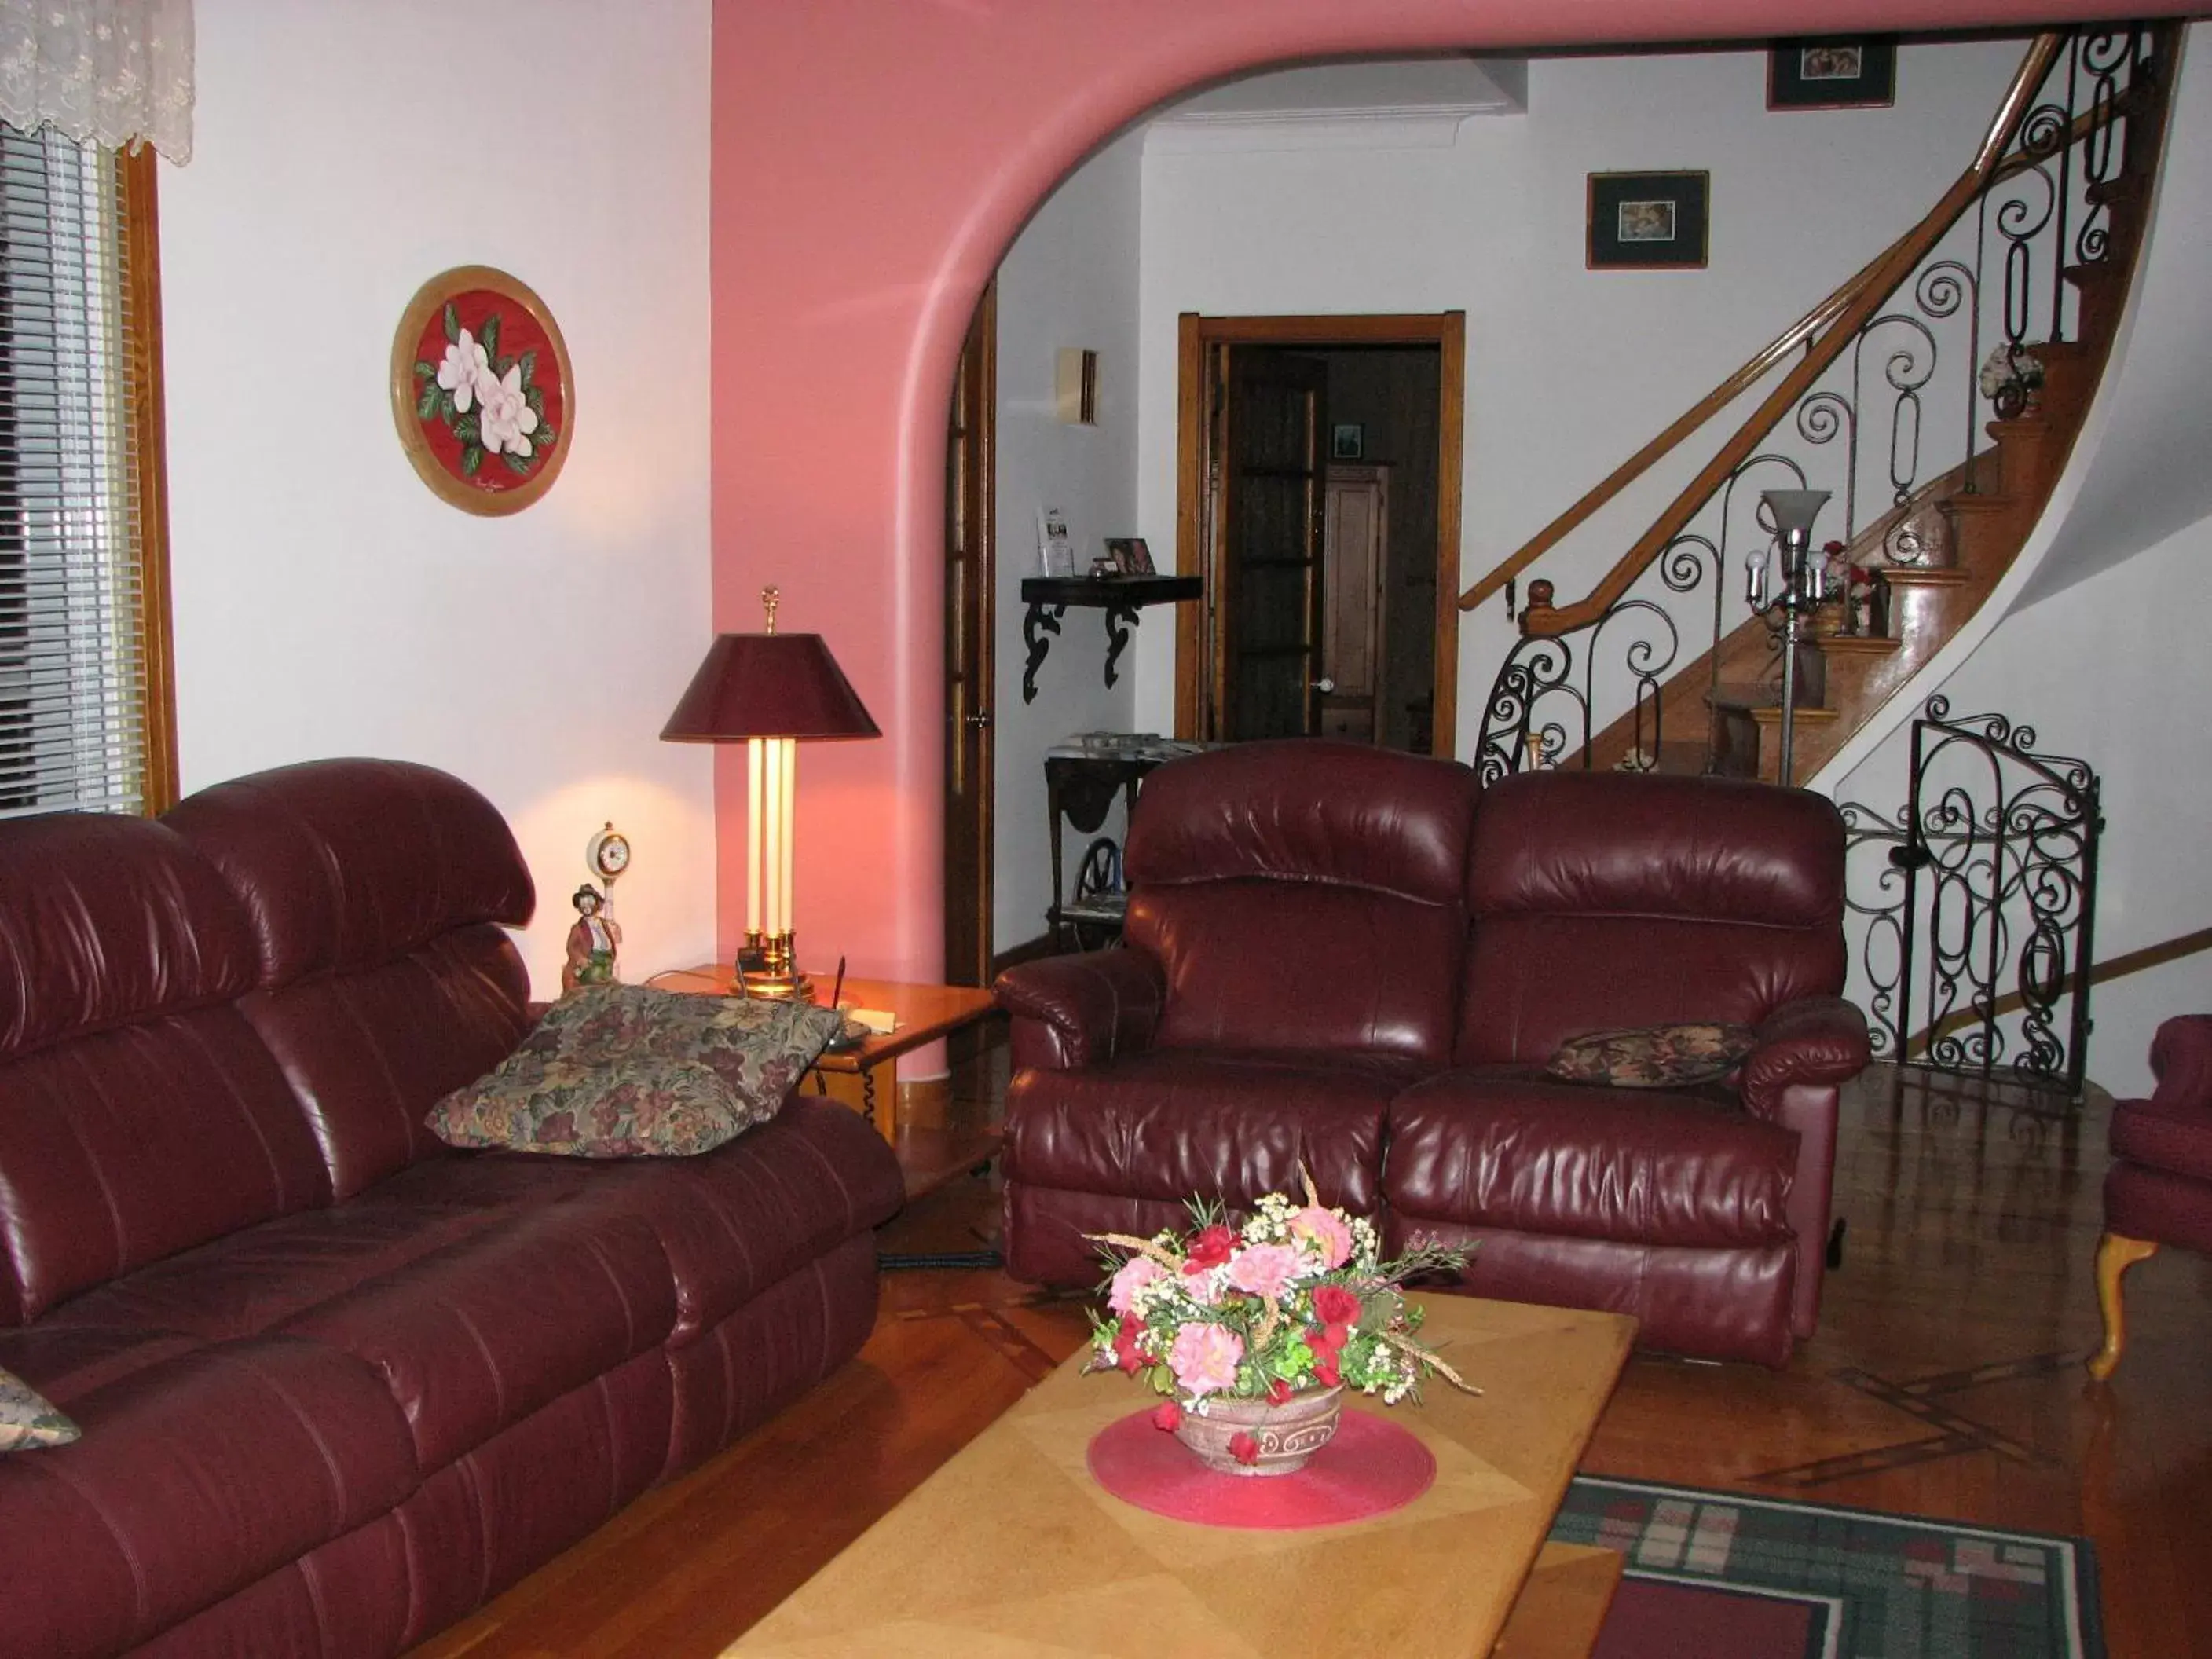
x=1601, y=900
x=139, y=1113
x=382, y=979
x=1303, y=895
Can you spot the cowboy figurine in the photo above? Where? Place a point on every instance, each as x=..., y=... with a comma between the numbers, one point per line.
x=592, y=942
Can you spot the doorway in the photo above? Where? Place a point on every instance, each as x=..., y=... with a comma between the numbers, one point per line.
x=1318, y=498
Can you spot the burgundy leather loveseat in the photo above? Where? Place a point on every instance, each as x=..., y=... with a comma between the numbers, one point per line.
x=337, y=1383
x=1359, y=962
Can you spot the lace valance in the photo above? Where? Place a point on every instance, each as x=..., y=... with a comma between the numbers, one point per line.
x=114, y=72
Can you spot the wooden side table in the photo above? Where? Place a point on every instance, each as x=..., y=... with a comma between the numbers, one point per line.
x=925, y=1014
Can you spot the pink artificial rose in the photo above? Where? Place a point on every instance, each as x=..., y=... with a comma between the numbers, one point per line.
x=1204, y=1357
x=1264, y=1269
x=1326, y=1231
x=1135, y=1273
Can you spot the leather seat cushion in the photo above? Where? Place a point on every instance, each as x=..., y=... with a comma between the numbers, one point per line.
x=1235, y=1124
x=473, y=1316
x=1507, y=1148
x=2177, y=1140
x=199, y=1474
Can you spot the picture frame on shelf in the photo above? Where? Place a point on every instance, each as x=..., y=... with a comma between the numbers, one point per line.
x=1055, y=547
x=1348, y=441
x=1833, y=72
x=1648, y=220
x=1129, y=556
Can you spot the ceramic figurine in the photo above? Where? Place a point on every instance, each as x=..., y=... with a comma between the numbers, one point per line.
x=592, y=942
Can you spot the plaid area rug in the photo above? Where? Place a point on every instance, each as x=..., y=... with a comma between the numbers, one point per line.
x=1722, y=1576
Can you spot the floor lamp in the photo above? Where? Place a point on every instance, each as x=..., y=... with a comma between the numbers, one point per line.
x=1804, y=587
x=773, y=691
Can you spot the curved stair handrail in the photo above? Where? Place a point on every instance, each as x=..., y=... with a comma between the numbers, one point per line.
x=1824, y=331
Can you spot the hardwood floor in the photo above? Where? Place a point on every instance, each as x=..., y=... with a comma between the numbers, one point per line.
x=1946, y=1380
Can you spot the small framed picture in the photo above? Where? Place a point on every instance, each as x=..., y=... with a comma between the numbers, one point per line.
x=1129, y=556
x=1841, y=72
x=1347, y=443
x=1647, y=220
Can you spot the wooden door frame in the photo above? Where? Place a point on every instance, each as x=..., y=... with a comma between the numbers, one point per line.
x=1196, y=337
x=980, y=508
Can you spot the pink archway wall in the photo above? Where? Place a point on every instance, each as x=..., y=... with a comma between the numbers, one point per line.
x=872, y=159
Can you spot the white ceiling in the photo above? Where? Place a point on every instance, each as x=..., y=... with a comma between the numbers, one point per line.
x=1409, y=103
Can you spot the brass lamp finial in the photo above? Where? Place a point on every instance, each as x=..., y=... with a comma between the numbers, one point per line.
x=771, y=596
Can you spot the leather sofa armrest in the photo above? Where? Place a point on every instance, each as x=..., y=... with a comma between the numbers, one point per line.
x=1070, y=1013
x=2181, y=1059
x=1814, y=1041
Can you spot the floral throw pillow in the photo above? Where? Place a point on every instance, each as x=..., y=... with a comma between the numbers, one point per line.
x=27, y=1421
x=1654, y=1056
x=625, y=1070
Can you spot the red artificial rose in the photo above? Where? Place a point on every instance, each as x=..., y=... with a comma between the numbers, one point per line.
x=1125, y=1345
x=1244, y=1447
x=1166, y=1416
x=1335, y=1305
x=1279, y=1390
x=1210, y=1249
x=1325, y=1371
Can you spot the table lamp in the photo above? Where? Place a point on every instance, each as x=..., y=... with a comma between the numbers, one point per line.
x=771, y=689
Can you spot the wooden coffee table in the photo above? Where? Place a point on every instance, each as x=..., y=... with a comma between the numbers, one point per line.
x=1012, y=1548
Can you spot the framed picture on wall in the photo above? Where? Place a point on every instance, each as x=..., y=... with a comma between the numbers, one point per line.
x=1839, y=72
x=1647, y=220
x=1347, y=442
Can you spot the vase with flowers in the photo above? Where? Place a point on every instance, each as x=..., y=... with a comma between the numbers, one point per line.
x=2012, y=378
x=1252, y=1333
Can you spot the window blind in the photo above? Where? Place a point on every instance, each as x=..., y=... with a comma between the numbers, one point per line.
x=74, y=654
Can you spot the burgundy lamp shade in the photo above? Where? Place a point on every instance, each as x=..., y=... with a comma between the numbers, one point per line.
x=769, y=685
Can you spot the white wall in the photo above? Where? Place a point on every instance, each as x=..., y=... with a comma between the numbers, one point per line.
x=1569, y=370
x=325, y=602
x=1069, y=279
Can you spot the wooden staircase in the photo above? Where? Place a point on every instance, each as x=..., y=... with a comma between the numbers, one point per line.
x=1943, y=552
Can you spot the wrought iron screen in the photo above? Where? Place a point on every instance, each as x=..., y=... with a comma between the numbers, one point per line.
x=1973, y=906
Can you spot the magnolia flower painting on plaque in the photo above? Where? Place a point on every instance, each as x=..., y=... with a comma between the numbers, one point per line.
x=480, y=390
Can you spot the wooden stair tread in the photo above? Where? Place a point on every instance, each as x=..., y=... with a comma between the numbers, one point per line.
x=1770, y=714
x=1858, y=645
x=1986, y=501
x=1926, y=575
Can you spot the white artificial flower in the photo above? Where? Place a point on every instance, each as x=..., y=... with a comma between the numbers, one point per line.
x=465, y=371
x=508, y=419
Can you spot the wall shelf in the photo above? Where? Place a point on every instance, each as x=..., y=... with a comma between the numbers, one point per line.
x=1120, y=597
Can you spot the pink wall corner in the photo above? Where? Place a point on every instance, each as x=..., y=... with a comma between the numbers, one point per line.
x=872, y=161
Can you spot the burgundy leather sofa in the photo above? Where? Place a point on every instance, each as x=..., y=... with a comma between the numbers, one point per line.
x=337, y=1383
x=1358, y=963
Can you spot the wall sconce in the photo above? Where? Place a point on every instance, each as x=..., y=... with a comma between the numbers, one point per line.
x=1075, y=386
x=771, y=689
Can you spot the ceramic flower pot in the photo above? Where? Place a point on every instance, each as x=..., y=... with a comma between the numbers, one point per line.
x=1283, y=1436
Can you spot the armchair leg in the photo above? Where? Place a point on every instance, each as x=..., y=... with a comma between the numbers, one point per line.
x=2115, y=1255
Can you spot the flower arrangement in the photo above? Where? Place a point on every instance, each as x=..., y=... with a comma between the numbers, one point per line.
x=2010, y=376
x=1296, y=1300
x=490, y=404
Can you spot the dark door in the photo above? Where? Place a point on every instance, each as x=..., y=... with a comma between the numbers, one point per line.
x=1274, y=513
x=968, y=510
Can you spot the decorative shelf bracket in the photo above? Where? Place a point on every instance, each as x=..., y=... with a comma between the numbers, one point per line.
x=1120, y=597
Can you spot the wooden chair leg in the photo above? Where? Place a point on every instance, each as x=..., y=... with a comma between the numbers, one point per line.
x=2115, y=1255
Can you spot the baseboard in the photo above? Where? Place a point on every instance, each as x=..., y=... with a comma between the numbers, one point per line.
x=1032, y=950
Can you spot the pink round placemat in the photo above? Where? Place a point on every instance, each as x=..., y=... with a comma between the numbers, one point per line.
x=1371, y=1467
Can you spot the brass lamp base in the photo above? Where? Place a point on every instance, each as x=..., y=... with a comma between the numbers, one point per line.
x=768, y=966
